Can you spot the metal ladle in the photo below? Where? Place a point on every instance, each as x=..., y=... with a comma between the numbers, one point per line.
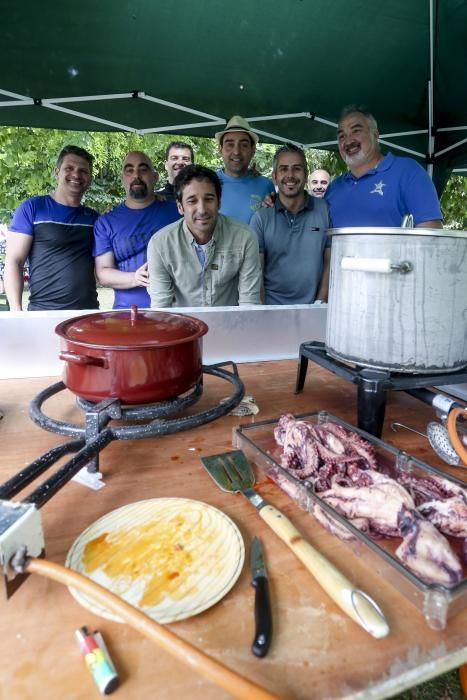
x=438, y=438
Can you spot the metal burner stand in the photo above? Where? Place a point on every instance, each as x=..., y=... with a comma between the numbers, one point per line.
x=372, y=384
x=93, y=436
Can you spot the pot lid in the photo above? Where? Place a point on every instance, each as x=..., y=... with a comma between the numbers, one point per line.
x=132, y=328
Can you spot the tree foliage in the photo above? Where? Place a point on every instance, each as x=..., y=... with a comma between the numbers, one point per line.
x=28, y=155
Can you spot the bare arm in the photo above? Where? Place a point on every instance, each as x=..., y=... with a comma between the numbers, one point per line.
x=18, y=246
x=108, y=275
x=434, y=223
x=324, y=283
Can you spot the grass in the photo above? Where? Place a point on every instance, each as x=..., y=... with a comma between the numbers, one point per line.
x=445, y=687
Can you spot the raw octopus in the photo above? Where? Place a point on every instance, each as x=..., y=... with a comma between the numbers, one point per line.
x=341, y=467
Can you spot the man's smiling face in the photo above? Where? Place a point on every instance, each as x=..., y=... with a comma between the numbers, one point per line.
x=236, y=151
x=290, y=174
x=200, y=207
x=357, y=140
x=177, y=159
x=73, y=176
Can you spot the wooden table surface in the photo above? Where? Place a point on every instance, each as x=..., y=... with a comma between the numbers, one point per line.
x=317, y=652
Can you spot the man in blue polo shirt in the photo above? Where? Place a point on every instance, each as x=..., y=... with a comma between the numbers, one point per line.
x=292, y=235
x=243, y=189
x=378, y=190
x=121, y=237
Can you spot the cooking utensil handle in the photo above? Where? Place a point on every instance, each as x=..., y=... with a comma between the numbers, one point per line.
x=263, y=617
x=452, y=430
x=357, y=604
x=375, y=265
x=83, y=359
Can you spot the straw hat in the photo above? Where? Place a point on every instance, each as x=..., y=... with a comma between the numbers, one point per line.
x=237, y=124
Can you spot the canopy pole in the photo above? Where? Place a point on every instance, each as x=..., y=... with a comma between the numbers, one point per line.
x=431, y=138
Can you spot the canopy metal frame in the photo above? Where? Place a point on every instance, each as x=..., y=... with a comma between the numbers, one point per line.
x=211, y=120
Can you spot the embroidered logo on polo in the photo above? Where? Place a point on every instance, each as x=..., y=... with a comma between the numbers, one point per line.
x=378, y=188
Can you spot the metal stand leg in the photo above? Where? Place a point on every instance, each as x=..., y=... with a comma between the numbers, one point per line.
x=301, y=372
x=372, y=400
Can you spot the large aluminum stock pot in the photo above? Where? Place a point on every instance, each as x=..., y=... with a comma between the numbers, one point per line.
x=398, y=299
x=135, y=356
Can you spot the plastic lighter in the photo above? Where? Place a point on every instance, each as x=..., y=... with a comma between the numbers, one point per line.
x=97, y=660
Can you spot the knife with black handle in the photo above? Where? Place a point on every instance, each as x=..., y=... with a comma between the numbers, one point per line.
x=263, y=617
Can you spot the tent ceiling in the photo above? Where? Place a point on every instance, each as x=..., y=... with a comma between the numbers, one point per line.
x=183, y=67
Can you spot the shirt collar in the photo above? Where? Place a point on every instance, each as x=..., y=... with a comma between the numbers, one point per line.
x=309, y=204
x=191, y=239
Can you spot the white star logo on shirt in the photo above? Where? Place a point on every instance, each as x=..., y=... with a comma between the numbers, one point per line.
x=378, y=188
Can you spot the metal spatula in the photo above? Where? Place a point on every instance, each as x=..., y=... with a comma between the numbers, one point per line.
x=232, y=472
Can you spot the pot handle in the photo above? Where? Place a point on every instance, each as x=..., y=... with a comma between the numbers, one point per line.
x=83, y=359
x=375, y=265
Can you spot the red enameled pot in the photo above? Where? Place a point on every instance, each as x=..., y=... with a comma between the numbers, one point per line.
x=135, y=356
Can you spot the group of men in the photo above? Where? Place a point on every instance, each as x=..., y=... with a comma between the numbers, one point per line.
x=210, y=238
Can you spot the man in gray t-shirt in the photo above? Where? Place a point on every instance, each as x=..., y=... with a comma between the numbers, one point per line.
x=292, y=235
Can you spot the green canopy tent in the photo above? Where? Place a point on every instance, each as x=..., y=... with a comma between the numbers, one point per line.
x=185, y=67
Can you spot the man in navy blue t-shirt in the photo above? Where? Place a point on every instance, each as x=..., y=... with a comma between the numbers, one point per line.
x=55, y=234
x=121, y=237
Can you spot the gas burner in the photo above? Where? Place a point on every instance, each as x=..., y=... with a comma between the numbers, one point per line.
x=372, y=384
x=144, y=421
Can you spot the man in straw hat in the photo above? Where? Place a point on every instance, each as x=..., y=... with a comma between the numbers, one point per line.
x=242, y=189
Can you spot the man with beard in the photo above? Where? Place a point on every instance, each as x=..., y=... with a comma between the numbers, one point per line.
x=177, y=156
x=242, y=189
x=54, y=232
x=378, y=190
x=122, y=235
x=318, y=182
x=292, y=235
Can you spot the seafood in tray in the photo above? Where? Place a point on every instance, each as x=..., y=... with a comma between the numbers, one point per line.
x=408, y=515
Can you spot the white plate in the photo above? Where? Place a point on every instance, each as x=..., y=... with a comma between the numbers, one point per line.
x=170, y=557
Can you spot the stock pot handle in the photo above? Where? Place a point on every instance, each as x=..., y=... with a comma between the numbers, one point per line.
x=83, y=359
x=375, y=265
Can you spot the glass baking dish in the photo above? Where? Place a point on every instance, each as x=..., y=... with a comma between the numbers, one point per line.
x=436, y=602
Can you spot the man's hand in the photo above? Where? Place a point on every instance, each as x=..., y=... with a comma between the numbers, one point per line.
x=142, y=276
x=269, y=200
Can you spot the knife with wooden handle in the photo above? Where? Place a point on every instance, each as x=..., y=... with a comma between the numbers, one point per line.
x=263, y=616
x=357, y=604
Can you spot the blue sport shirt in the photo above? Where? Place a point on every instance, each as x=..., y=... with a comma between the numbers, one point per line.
x=242, y=196
x=126, y=232
x=384, y=195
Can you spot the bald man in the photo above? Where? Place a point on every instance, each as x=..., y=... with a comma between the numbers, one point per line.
x=318, y=182
x=121, y=237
